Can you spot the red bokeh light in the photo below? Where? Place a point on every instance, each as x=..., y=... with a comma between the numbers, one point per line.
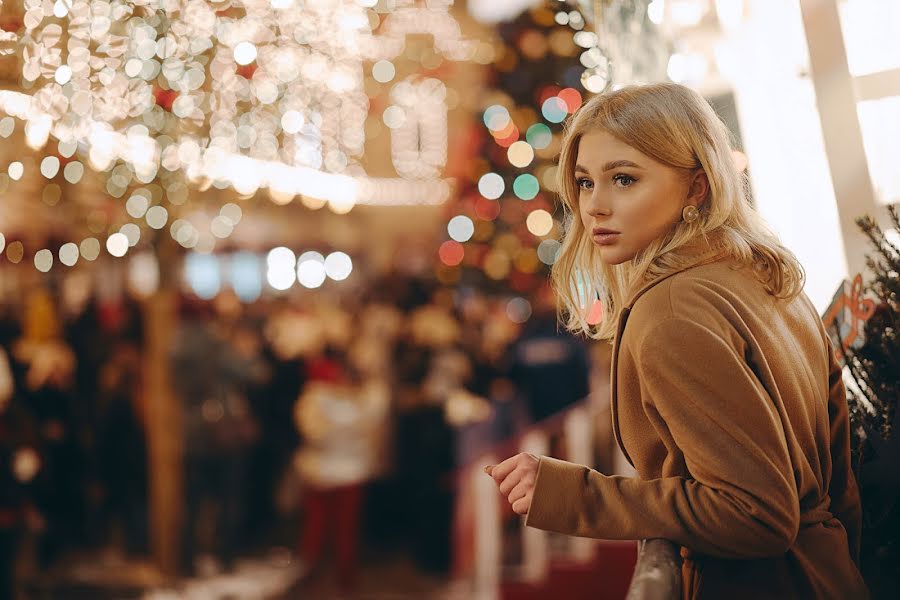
x=572, y=98
x=451, y=253
x=487, y=210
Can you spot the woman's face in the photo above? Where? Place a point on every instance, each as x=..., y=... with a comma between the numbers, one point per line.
x=624, y=190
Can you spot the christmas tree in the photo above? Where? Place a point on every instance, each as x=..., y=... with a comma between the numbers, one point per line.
x=874, y=392
x=505, y=227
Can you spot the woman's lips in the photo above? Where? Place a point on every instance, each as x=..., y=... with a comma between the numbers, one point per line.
x=605, y=239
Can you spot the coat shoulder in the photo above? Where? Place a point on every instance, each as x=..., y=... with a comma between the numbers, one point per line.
x=707, y=294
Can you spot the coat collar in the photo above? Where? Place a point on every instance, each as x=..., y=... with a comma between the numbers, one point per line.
x=705, y=253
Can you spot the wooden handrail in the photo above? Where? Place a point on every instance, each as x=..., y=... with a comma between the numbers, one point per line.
x=657, y=574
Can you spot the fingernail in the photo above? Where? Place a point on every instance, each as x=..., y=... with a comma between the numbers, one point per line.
x=488, y=469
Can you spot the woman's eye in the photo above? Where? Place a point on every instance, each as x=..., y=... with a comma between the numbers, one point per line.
x=624, y=180
x=584, y=184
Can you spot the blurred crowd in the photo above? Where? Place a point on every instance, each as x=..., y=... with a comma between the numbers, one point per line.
x=324, y=421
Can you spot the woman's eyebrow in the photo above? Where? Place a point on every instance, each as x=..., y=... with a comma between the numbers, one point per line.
x=615, y=164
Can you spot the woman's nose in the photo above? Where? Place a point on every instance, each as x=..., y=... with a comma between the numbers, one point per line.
x=596, y=208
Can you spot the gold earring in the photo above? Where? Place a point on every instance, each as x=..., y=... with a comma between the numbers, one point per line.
x=690, y=214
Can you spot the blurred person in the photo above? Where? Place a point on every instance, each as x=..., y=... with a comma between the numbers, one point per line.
x=19, y=464
x=211, y=377
x=431, y=367
x=43, y=366
x=340, y=417
x=549, y=367
x=121, y=450
x=726, y=393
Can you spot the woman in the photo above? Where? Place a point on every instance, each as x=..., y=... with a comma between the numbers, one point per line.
x=726, y=396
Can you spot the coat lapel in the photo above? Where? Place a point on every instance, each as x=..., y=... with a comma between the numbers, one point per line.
x=705, y=258
x=623, y=318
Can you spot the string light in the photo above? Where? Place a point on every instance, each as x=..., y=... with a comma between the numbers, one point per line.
x=130, y=75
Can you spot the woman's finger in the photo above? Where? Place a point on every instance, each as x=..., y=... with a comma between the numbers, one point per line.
x=521, y=490
x=522, y=506
x=499, y=472
x=511, y=481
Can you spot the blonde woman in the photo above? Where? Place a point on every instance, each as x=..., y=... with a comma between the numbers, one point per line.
x=726, y=396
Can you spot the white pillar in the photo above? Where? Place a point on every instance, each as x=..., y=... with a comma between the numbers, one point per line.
x=765, y=60
x=853, y=189
x=488, y=532
x=535, y=550
x=579, y=430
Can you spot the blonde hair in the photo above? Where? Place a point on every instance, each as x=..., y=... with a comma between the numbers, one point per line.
x=677, y=127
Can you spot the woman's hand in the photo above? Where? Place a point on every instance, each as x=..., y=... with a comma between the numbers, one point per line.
x=516, y=477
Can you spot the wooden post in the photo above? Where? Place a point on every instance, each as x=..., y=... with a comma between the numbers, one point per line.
x=657, y=574
x=164, y=431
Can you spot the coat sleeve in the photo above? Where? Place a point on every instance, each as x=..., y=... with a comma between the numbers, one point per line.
x=842, y=489
x=741, y=501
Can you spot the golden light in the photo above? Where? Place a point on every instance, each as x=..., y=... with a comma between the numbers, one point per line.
x=520, y=154
x=16, y=170
x=68, y=254
x=539, y=222
x=90, y=249
x=43, y=260
x=117, y=245
x=244, y=53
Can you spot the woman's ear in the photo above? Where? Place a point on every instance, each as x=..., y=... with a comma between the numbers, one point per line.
x=699, y=188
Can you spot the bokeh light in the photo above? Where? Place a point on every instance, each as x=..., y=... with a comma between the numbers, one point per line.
x=221, y=227
x=572, y=99
x=526, y=186
x=554, y=109
x=203, y=274
x=496, y=118
x=520, y=154
x=451, y=253
x=539, y=136
x=15, y=170
x=43, y=260
x=548, y=250
x=90, y=248
x=539, y=222
x=281, y=273
x=394, y=117
x=338, y=266
x=117, y=244
x=491, y=186
x=383, y=71
x=132, y=232
x=15, y=252
x=68, y=254
x=246, y=276
x=311, y=270
x=157, y=217
x=73, y=172
x=518, y=310
x=136, y=206
x=244, y=53
x=50, y=167
x=487, y=210
x=461, y=228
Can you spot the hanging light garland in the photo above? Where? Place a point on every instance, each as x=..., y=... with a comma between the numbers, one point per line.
x=240, y=94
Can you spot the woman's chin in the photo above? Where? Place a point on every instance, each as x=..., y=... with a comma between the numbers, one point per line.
x=613, y=257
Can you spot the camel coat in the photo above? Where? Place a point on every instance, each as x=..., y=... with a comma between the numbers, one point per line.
x=730, y=405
